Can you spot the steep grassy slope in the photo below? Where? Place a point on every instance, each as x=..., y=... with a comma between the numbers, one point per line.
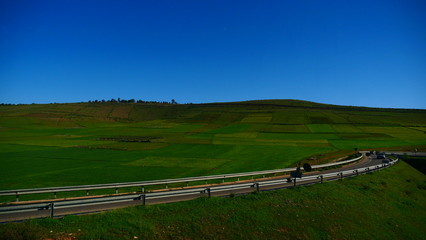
x=84, y=143
x=390, y=204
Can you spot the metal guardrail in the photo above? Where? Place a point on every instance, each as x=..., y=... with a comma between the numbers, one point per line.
x=143, y=184
x=202, y=191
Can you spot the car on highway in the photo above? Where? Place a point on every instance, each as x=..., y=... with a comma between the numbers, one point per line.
x=381, y=156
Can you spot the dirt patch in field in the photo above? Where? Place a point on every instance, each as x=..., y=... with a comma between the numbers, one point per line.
x=139, y=139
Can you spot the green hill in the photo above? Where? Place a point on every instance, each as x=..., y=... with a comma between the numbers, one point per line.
x=83, y=143
x=45, y=145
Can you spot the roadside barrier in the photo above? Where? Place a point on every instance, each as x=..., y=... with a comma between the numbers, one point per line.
x=224, y=190
x=165, y=182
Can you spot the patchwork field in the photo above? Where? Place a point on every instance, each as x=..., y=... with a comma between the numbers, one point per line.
x=85, y=143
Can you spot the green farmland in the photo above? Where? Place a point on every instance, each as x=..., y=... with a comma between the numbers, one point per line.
x=88, y=143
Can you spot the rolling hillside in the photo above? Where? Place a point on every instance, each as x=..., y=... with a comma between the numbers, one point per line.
x=83, y=143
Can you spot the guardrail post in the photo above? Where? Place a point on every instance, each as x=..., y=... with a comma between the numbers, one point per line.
x=257, y=187
x=54, y=194
x=143, y=189
x=206, y=182
x=294, y=180
x=87, y=192
x=238, y=179
x=167, y=186
x=208, y=192
x=187, y=184
x=17, y=197
x=341, y=176
x=52, y=206
x=321, y=178
x=223, y=180
x=143, y=198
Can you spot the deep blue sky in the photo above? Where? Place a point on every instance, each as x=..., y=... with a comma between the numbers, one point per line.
x=364, y=53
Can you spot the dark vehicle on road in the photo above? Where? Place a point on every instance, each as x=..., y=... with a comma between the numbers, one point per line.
x=381, y=156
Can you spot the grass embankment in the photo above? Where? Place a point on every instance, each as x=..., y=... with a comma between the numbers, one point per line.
x=417, y=162
x=390, y=204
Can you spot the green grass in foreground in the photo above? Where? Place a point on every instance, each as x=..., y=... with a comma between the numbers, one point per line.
x=390, y=204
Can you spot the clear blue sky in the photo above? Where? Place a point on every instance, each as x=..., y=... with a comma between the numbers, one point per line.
x=363, y=53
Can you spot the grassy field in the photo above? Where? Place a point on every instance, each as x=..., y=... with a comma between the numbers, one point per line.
x=389, y=204
x=88, y=143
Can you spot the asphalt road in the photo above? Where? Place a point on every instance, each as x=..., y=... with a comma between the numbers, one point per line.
x=216, y=191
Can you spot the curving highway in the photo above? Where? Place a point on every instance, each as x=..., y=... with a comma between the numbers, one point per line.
x=59, y=208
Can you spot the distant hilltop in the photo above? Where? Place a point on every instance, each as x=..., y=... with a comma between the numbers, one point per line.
x=292, y=103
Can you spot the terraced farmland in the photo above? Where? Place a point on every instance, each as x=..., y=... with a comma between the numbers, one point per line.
x=85, y=143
